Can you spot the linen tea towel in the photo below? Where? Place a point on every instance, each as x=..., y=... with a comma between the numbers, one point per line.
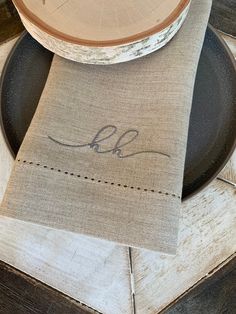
x=104, y=154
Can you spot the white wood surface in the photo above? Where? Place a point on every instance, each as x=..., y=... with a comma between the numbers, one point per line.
x=97, y=273
x=6, y=160
x=206, y=238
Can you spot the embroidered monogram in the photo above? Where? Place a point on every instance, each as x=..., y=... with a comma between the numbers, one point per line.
x=101, y=136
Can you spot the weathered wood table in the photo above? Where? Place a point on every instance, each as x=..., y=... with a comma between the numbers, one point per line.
x=104, y=277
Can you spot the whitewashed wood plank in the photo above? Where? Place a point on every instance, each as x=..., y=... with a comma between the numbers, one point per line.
x=229, y=172
x=6, y=160
x=207, y=238
x=94, y=272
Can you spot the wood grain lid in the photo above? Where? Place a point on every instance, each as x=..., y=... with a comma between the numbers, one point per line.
x=102, y=31
x=101, y=22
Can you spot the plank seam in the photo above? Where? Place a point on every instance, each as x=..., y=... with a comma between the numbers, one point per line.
x=132, y=284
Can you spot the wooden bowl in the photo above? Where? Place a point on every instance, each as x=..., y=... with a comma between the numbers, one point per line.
x=102, y=31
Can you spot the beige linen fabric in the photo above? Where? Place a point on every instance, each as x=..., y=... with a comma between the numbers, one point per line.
x=142, y=104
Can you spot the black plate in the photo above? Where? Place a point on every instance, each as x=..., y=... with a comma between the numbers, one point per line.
x=212, y=132
x=223, y=16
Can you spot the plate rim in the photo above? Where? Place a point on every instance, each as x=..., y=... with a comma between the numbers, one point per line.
x=3, y=73
x=191, y=194
x=233, y=147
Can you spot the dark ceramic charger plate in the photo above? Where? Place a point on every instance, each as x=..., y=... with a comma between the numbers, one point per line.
x=223, y=16
x=212, y=131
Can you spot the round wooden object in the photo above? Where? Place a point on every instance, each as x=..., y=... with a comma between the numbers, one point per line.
x=102, y=31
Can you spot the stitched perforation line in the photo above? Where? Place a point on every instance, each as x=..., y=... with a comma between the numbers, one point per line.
x=73, y=174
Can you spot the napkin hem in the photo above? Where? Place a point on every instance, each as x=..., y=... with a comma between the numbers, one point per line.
x=73, y=174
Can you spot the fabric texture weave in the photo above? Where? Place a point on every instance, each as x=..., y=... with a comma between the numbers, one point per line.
x=104, y=154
